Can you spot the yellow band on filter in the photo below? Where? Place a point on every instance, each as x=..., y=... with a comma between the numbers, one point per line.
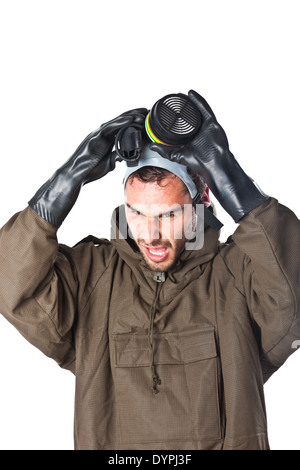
x=150, y=133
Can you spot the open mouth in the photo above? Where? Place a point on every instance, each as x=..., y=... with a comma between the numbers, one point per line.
x=156, y=254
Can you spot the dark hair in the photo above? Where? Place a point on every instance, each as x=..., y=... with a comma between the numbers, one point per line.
x=154, y=174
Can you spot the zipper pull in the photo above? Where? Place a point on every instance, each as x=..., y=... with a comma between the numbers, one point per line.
x=159, y=276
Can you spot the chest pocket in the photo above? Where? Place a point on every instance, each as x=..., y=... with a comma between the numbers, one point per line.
x=187, y=405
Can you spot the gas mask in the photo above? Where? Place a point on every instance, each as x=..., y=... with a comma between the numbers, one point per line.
x=173, y=120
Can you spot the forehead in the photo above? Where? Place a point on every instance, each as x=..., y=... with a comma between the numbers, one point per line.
x=171, y=190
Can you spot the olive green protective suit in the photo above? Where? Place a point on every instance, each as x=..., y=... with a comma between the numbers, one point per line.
x=225, y=318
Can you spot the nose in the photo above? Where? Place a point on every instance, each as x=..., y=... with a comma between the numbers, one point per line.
x=151, y=230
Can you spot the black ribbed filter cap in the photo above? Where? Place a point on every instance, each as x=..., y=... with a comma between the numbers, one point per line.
x=174, y=119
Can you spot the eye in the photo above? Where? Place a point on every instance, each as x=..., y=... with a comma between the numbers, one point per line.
x=133, y=212
x=168, y=215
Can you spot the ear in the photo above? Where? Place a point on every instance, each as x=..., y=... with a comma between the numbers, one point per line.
x=205, y=196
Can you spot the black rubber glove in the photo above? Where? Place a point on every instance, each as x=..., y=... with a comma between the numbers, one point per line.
x=208, y=154
x=92, y=160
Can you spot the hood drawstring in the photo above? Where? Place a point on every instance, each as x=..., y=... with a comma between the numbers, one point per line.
x=159, y=277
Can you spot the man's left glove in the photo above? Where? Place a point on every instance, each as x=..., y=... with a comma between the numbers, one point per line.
x=92, y=160
x=208, y=154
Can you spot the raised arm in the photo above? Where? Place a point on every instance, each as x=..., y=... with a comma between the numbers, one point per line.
x=38, y=280
x=267, y=268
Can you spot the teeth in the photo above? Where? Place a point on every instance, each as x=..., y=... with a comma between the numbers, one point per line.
x=157, y=253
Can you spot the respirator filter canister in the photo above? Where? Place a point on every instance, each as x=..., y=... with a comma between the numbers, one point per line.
x=173, y=120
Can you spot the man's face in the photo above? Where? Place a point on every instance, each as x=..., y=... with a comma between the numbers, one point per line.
x=160, y=218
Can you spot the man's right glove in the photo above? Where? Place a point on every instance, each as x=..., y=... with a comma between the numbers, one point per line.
x=92, y=160
x=208, y=154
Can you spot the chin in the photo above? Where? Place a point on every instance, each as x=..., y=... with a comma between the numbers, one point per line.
x=159, y=267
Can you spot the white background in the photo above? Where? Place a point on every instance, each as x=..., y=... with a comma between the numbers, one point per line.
x=66, y=67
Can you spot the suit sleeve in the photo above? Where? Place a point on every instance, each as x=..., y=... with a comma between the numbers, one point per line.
x=269, y=237
x=38, y=286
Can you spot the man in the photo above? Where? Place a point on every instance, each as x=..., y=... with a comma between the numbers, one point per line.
x=170, y=345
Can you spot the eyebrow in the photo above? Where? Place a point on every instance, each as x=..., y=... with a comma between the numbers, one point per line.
x=176, y=209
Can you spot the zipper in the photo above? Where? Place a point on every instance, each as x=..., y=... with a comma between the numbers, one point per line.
x=159, y=278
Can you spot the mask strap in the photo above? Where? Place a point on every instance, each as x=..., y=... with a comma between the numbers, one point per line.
x=209, y=217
